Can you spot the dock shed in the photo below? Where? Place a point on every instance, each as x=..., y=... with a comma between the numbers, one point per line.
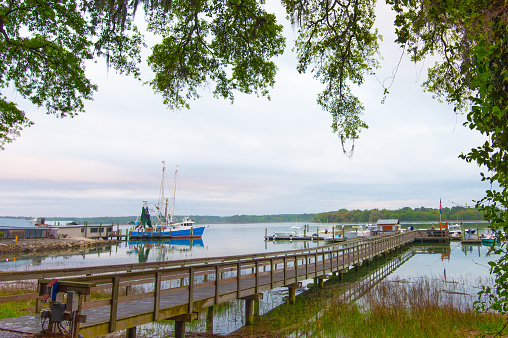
x=388, y=224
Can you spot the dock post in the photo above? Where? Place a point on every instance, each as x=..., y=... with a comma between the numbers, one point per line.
x=209, y=320
x=249, y=307
x=180, y=323
x=38, y=302
x=131, y=332
x=292, y=292
x=266, y=234
x=249, y=312
x=179, y=329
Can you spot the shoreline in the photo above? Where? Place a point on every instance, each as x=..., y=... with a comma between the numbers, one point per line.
x=28, y=246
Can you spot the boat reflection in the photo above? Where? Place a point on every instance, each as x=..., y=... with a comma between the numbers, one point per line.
x=163, y=250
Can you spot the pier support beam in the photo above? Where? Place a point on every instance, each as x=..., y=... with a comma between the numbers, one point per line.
x=292, y=292
x=249, y=307
x=318, y=281
x=209, y=320
x=357, y=266
x=131, y=332
x=180, y=323
x=179, y=329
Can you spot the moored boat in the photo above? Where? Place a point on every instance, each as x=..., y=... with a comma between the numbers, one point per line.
x=489, y=239
x=161, y=224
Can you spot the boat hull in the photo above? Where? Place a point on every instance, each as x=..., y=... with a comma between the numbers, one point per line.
x=194, y=232
x=488, y=241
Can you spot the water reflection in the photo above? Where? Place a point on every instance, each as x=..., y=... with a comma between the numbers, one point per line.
x=163, y=250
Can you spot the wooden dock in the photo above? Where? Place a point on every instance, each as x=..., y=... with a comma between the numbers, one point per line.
x=178, y=290
x=432, y=235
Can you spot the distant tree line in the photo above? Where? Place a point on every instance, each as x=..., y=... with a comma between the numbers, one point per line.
x=255, y=218
x=198, y=219
x=404, y=214
x=341, y=216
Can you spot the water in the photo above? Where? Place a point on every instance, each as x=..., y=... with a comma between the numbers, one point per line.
x=236, y=239
x=218, y=240
x=447, y=262
x=15, y=223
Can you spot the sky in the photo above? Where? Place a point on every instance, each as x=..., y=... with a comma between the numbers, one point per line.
x=254, y=156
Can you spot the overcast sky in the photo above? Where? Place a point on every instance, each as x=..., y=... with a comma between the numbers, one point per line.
x=252, y=157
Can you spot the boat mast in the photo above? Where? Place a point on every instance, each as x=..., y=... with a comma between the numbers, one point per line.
x=163, y=201
x=174, y=195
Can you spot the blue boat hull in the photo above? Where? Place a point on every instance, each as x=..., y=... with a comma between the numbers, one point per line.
x=197, y=232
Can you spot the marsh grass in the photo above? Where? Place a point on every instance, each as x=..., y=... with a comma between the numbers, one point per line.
x=419, y=307
x=14, y=309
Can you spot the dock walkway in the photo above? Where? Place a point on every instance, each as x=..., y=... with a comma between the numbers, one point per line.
x=178, y=290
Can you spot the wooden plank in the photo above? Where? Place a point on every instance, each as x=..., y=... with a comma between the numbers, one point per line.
x=17, y=298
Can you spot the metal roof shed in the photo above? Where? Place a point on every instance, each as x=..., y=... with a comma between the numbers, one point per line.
x=388, y=224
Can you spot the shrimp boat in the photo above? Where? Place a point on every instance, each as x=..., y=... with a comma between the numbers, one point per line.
x=158, y=223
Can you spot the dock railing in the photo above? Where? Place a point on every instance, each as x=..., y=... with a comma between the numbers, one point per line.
x=195, y=284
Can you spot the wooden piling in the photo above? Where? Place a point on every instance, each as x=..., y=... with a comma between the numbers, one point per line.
x=249, y=312
x=179, y=329
x=209, y=320
x=131, y=332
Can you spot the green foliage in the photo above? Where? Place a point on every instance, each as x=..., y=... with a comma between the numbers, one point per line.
x=471, y=36
x=404, y=214
x=337, y=41
x=44, y=46
x=43, y=49
x=229, y=43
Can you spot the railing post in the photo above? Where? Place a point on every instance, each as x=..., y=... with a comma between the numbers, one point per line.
x=217, y=278
x=271, y=273
x=238, y=279
x=296, y=269
x=114, y=304
x=191, y=290
x=38, y=301
x=157, y=296
x=257, y=277
x=306, y=266
x=315, y=264
x=324, y=263
x=285, y=268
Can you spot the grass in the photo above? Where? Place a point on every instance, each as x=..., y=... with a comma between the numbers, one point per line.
x=420, y=307
x=14, y=309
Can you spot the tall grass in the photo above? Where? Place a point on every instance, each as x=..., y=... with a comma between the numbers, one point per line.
x=14, y=309
x=420, y=307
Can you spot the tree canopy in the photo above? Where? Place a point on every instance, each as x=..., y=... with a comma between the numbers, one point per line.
x=44, y=47
x=231, y=44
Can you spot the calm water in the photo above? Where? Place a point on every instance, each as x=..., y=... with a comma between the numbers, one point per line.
x=238, y=239
x=448, y=262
